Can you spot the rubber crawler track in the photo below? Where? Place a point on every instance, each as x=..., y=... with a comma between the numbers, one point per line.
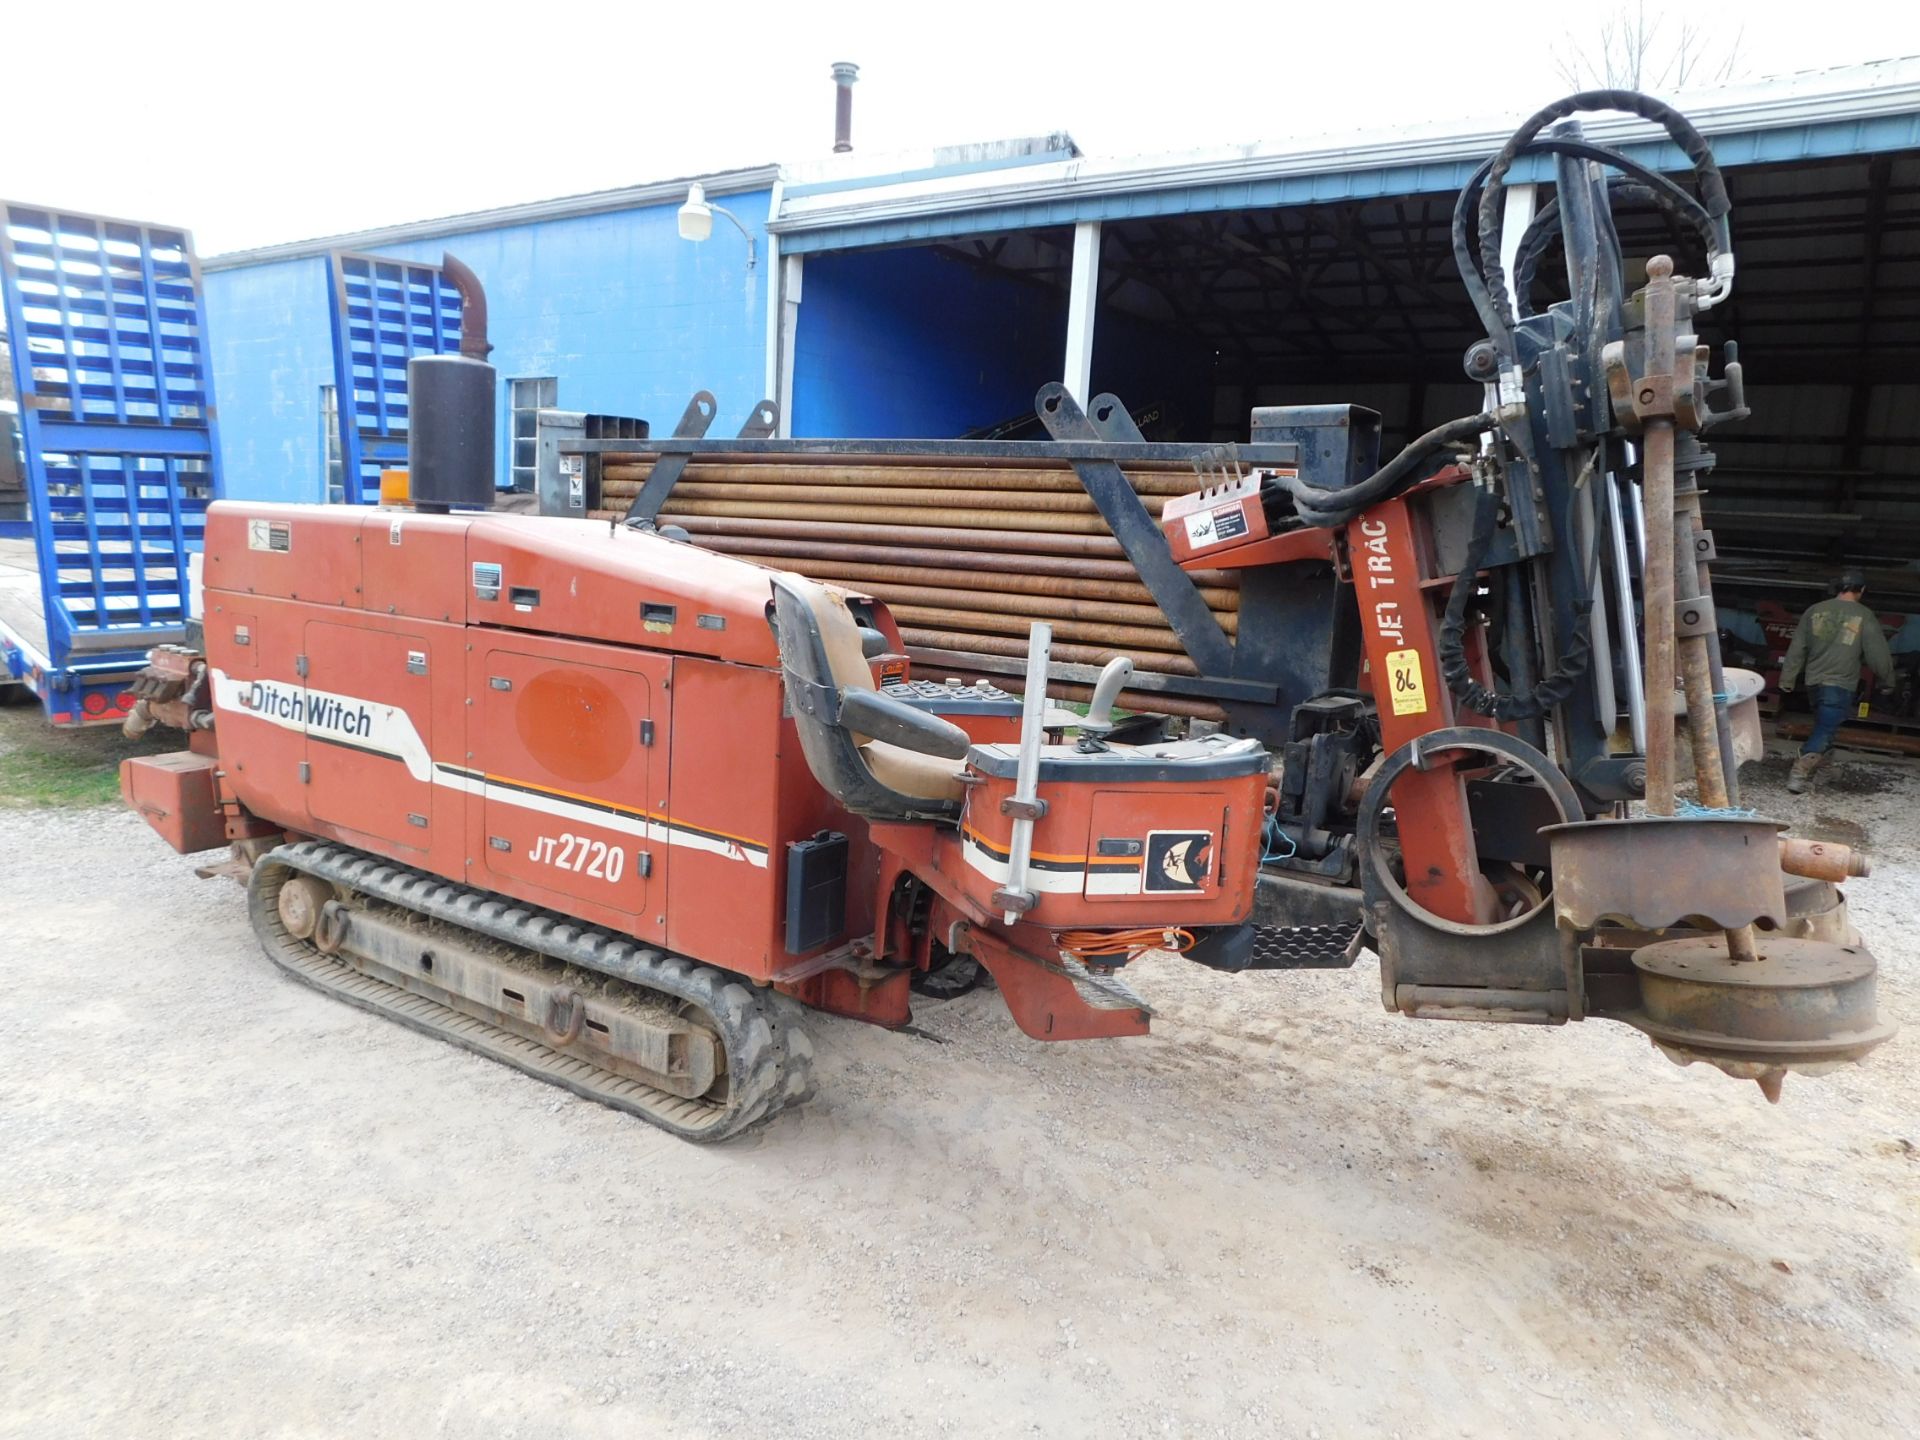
x=768, y=1056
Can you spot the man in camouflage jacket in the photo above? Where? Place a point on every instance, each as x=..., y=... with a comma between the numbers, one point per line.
x=1829, y=644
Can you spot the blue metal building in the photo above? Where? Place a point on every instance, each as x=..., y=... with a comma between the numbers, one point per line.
x=595, y=304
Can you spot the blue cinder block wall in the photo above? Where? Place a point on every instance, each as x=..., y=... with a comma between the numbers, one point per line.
x=628, y=317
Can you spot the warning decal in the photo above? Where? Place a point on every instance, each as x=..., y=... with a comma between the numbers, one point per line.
x=1215, y=527
x=273, y=535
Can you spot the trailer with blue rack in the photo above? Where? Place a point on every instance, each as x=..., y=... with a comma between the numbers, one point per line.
x=105, y=325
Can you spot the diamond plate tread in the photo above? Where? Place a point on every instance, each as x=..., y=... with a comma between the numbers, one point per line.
x=1103, y=991
x=1302, y=947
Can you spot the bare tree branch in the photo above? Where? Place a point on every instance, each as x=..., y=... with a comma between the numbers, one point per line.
x=1633, y=49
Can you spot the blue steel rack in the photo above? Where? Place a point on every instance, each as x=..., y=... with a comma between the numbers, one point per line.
x=384, y=313
x=108, y=336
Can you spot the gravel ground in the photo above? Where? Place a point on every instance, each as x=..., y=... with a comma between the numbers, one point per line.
x=230, y=1206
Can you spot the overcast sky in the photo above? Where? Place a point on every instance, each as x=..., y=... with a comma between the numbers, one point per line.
x=256, y=122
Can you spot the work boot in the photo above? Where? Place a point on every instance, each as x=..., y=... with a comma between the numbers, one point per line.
x=1802, y=772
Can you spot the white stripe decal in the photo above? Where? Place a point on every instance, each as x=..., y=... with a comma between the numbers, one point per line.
x=1105, y=881
x=388, y=730
x=636, y=825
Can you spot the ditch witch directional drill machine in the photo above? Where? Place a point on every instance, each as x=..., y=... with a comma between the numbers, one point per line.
x=601, y=804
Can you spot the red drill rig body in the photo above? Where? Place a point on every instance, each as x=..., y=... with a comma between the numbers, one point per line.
x=589, y=800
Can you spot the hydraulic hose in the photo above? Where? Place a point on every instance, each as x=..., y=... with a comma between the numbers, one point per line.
x=1552, y=690
x=1713, y=189
x=1321, y=506
x=1545, y=227
x=1499, y=321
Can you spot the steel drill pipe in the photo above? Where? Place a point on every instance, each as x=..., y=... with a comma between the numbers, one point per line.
x=1129, y=637
x=627, y=479
x=1147, y=662
x=1656, y=485
x=1696, y=674
x=1027, y=521
x=992, y=595
x=841, y=460
x=771, y=496
x=1686, y=503
x=916, y=532
x=1076, y=555
x=1064, y=567
x=1088, y=556
x=1044, y=607
x=1224, y=602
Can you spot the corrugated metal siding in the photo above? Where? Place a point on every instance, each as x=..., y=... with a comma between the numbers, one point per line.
x=1893, y=448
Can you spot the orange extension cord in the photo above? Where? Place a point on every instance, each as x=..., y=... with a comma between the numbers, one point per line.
x=1083, y=943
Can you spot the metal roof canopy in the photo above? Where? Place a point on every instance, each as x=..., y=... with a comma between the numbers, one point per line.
x=1370, y=287
x=1847, y=111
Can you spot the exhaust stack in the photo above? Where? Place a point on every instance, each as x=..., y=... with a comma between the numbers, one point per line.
x=450, y=407
x=845, y=72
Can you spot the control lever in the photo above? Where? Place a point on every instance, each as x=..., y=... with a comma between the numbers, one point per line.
x=1099, y=720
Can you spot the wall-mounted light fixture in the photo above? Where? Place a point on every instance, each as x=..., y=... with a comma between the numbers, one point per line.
x=696, y=220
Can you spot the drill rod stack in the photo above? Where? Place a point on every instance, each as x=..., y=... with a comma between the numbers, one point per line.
x=966, y=555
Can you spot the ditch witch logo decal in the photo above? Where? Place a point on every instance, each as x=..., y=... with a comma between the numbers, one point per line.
x=1178, y=860
x=344, y=720
x=308, y=709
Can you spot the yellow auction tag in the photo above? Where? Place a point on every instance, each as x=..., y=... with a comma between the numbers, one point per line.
x=1864, y=708
x=1404, y=684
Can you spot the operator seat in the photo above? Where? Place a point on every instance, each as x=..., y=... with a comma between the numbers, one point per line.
x=879, y=756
